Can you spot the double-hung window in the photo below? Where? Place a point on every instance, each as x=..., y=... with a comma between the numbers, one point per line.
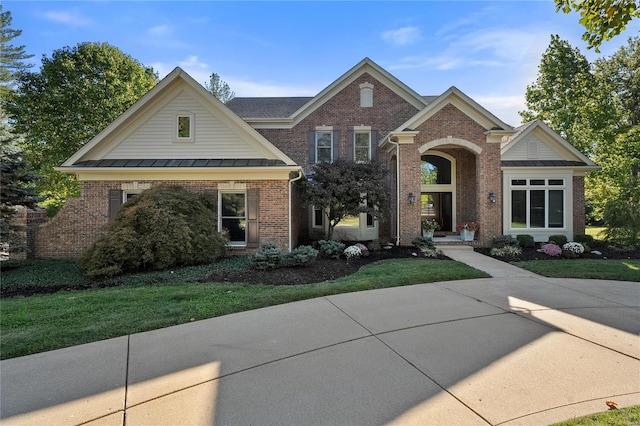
x=233, y=218
x=537, y=203
x=362, y=146
x=324, y=146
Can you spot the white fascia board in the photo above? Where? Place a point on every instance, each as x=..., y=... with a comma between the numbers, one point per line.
x=178, y=173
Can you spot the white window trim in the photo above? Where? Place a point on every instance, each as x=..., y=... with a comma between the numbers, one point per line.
x=539, y=234
x=361, y=130
x=191, y=116
x=313, y=218
x=366, y=95
x=220, y=217
x=324, y=129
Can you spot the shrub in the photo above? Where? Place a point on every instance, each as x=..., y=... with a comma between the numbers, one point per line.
x=330, y=248
x=551, y=250
x=559, y=240
x=374, y=245
x=163, y=227
x=508, y=250
x=301, y=256
x=503, y=241
x=584, y=239
x=268, y=257
x=363, y=249
x=572, y=249
x=429, y=251
x=423, y=242
x=526, y=241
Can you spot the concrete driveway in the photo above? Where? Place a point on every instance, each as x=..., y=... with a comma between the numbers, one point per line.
x=505, y=350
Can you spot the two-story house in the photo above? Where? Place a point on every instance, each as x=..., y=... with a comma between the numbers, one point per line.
x=449, y=159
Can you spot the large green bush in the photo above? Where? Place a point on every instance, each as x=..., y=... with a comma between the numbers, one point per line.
x=163, y=227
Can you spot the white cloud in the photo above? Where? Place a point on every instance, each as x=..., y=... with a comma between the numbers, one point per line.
x=201, y=71
x=67, y=17
x=402, y=36
x=159, y=30
x=503, y=106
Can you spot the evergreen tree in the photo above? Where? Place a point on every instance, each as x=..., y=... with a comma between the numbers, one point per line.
x=11, y=57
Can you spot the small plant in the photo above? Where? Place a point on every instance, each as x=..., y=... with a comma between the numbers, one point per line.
x=504, y=241
x=330, y=248
x=374, y=245
x=301, y=256
x=363, y=249
x=468, y=226
x=526, y=241
x=572, y=249
x=508, y=250
x=352, y=252
x=551, y=250
x=559, y=240
x=429, y=251
x=429, y=225
x=422, y=242
x=585, y=240
x=267, y=258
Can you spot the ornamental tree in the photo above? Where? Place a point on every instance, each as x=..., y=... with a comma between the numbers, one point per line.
x=76, y=93
x=347, y=188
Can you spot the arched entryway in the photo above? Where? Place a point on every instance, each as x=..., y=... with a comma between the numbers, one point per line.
x=438, y=189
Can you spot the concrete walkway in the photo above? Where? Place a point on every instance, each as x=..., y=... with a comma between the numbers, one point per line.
x=513, y=349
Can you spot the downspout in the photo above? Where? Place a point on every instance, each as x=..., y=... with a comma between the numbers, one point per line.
x=395, y=142
x=290, y=191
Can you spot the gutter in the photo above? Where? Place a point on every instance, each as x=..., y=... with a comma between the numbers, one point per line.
x=290, y=191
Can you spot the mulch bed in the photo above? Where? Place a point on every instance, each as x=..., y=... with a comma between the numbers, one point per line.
x=534, y=254
x=320, y=270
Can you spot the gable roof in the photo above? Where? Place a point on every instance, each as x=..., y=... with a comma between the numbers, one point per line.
x=264, y=119
x=96, y=148
x=571, y=156
x=460, y=100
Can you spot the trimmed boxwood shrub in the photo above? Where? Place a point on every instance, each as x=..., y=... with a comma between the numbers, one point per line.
x=585, y=240
x=163, y=227
x=526, y=241
x=503, y=241
x=558, y=240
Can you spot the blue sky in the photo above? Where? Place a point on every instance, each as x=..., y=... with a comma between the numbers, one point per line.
x=489, y=50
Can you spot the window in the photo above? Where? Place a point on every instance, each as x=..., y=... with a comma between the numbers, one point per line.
x=184, y=127
x=535, y=205
x=318, y=217
x=435, y=170
x=366, y=95
x=324, y=146
x=362, y=146
x=233, y=219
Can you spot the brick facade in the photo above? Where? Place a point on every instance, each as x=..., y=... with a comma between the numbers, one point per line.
x=81, y=220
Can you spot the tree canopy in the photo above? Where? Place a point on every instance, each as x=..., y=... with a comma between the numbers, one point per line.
x=76, y=93
x=17, y=183
x=603, y=19
x=346, y=188
x=219, y=88
x=12, y=57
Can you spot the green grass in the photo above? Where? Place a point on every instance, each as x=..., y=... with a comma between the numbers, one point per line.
x=45, y=322
x=623, y=417
x=597, y=232
x=612, y=269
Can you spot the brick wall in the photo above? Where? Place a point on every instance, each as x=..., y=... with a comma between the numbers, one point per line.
x=81, y=220
x=579, y=209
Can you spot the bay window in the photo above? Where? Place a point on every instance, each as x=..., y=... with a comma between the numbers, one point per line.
x=537, y=203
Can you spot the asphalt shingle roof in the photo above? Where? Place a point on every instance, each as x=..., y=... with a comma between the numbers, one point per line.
x=266, y=107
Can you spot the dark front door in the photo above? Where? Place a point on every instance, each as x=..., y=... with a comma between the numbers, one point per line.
x=438, y=206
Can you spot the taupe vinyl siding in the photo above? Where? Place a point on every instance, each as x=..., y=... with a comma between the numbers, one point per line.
x=212, y=138
x=521, y=150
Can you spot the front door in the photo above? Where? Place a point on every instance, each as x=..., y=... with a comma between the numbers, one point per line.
x=438, y=206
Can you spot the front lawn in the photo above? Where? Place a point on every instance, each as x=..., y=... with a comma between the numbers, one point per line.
x=50, y=321
x=611, y=269
x=622, y=417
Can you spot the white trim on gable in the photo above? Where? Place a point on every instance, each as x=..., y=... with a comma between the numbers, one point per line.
x=464, y=103
x=176, y=82
x=551, y=139
x=362, y=67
